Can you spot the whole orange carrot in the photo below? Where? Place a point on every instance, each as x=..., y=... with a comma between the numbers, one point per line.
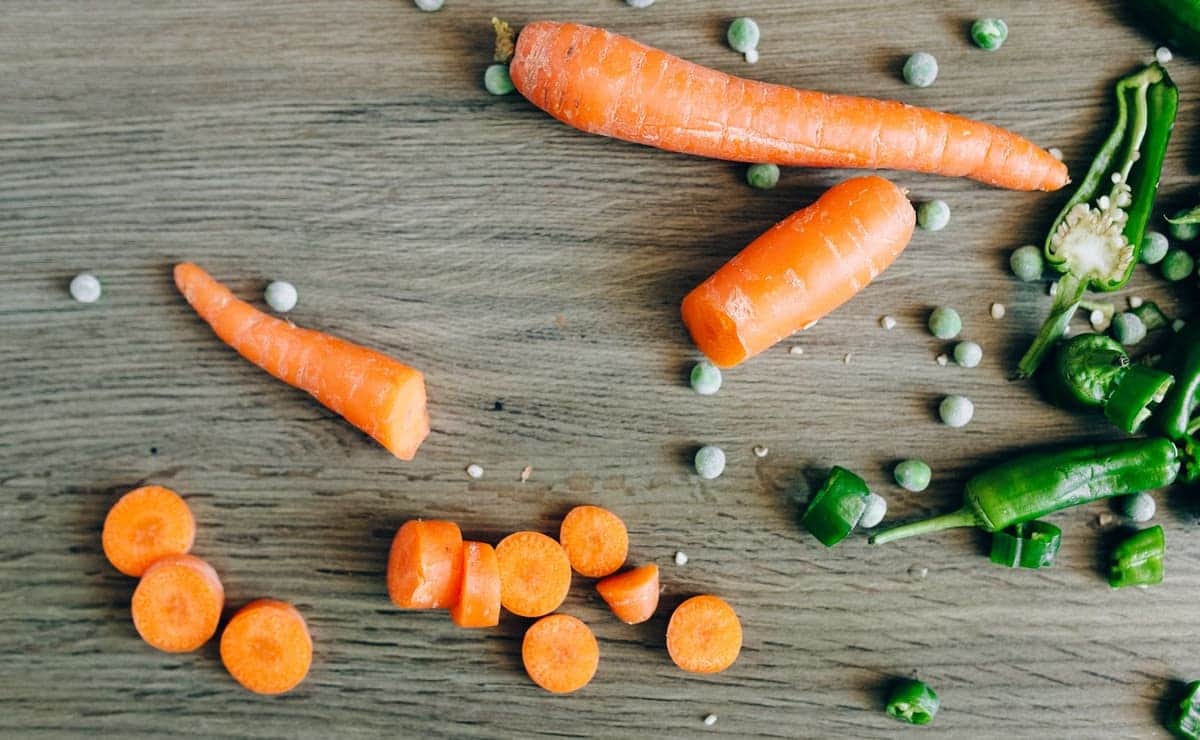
x=607, y=84
x=379, y=395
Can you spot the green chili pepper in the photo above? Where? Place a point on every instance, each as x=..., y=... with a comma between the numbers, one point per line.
x=1035, y=484
x=1184, y=360
x=1131, y=402
x=1184, y=719
x=1027, y=545
x=835, y=509
x=1177, y=20
x=1138, y=560
x=1151, y=315
x=912, y=702
x=1097, y=237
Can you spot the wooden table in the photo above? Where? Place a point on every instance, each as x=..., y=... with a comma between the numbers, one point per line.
x=534, y=273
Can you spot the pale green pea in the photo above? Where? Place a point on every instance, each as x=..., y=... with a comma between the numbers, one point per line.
x=706, y=378
x=1184, y=232
x=497, y=80
x=933, y=215
x=1128, y=328
x=1154, y=247
x=1027, y=263
x=762, y=176
x=968, y=354
x=989, y=33
x=743, y=34
x=920, y=69
x=1177, y=265
x=875, y=511
x=1139, y=507
x=956, y=411
x=912, y=475
x=944, y=322
x=710, y=462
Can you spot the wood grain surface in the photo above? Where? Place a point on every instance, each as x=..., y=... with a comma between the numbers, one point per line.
x=534, y=273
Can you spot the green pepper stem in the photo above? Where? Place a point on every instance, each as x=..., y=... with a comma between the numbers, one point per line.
x=962, y=518
x=1066, y=301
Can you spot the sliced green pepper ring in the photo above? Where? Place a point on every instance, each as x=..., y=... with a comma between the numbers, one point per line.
x=913, y=702
x=835, y=509
x=1138, y=391
x=1184, y=720
x=1026, y=545
x=1138, y=561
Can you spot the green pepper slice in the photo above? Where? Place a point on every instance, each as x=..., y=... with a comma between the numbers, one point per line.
x=1138, y=560
x=1151, y=315
x=1139, y=389
x=835, y=509
x=1176, y=410
x=1184, y=719
x=913, y=702
x=1026, y=545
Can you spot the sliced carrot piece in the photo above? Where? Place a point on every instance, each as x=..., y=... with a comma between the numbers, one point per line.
x=704, y=635
x=560, y=653
x=425, y=565
x=479, y=600
x=632, y=595
x=535, y=574
x=177, y=603
x=266, y=647
x=595, y=539
x=144, y=525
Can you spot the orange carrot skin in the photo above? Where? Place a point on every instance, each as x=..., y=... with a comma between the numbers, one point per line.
x=144, y=525
x=266, y=647
x=607, y=84
x=632, y=595
x=479, y=600
x=799, y=270
x=177, y=604
x=425, y=565
x=381, y=396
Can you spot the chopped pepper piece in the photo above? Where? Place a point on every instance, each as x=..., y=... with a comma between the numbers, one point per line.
x=1184, y=360
x=1151, y=315
x=1026, y=545
x=1184, y=719
x=1139, y=390
x=1138, y=560
x=835, y=509
x=913, y=702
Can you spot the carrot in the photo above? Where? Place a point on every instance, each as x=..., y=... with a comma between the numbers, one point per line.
x=611, y=85
x=560, y=653
x=799, y=270
x=632, y=595
x=704, y=635
x=143, y=526
x=177, y=603
x=595, y=539
x=266, y=647
x=425, y=565
x=380, y=396
x=535, y=574
x=479, y=601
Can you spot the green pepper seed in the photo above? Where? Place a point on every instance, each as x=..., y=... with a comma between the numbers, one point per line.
x=989, y=34
x=1154, y=247
x=1027, y=263
x=762, y=176
x=920, y=69
x=1184, y=231
x=1177, y=265
x=968, y=354
x=912, y=475
x=706, y=378
x=743, y=34
x=933, y=215
x=912, y=702
x=497, y=81
x=710, y=462
x=944, y=322
x=956, y=411
x=1127, y=328
x=1139, y=507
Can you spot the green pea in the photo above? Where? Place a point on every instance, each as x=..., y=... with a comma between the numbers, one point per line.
x=429, y=5
x=1184, y=232
x=875, y=511
x=497, y=80
x=933, y=215
x=710, y=462
x=944, y=322
x=743, y=35
x=1027, y=263
x=912, y=475
x=1128, y=328
x=956, y=411
x=1154, y=247
x=762, y=176
x=1139, y=507
x=921, y=69
x=989, y=33
x=706, y=378
x=1176, y=265
x=968, y=354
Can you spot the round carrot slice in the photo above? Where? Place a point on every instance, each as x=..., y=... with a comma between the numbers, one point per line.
x=560, y=653
x=266, y=647
x=177, y=604
x=143, y=526
x=595, y=539
x=425, y=565
x=479, y=602
x=632, y=595
x=704, y=635
x=535, y=574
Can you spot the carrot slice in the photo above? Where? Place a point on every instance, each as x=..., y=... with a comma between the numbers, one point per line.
x=479, y=601
x=177, y=603
x=144, y=525
x=266, y=647
x=535, y=574
x=799, y=270
x=425, y=565
x=381, y=396
x=595, y=539
x=632, y=595
x=704, y=635
x=560, y=653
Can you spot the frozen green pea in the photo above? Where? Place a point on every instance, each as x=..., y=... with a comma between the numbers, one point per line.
x=1027, y=263
x=1128, y=328
x=968, y=354
x=944, y=322
x=920, y=69
x=1154, y=247
x=933, y=215
x=1139, y=507
x=1177, y=265
x=989, y=33
x=875, y=511
x=497, y=80
x=762, y=176
x=1184, y=232
x=912, y=475
x=640, y=4
x=743, y=34
x=429, y=5
x=706, y=378
x=956, y=411
x=710, y=462
x=85, y=288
